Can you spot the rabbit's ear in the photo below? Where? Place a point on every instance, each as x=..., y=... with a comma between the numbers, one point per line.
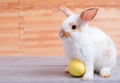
x=66, y=11
x=88, y=14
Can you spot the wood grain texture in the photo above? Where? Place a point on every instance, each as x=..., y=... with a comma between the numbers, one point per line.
x=44, y=69
x=30, y=27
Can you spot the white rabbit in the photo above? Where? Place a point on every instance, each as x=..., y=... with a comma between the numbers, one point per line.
x=88, y=44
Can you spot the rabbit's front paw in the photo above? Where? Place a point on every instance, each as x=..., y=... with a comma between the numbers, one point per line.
x=66, y=70
x=88, y=77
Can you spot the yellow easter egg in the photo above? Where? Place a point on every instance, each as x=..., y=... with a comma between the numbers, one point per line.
x=76, y=68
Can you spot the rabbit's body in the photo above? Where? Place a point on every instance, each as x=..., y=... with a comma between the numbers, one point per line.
x=92, y=43
x=88, y=44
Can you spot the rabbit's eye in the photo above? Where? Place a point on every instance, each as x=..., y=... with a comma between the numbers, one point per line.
x=74, y=26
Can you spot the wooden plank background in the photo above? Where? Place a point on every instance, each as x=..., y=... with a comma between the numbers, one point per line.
x=30, y=27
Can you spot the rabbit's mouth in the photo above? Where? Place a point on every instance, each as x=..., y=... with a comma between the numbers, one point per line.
x=63, y=34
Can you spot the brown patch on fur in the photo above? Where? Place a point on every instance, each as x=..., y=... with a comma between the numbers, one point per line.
x=105, y=76
x=70, y=24
x=79, y=27
x=65, y=34
x=107, y=54
x=66, y=70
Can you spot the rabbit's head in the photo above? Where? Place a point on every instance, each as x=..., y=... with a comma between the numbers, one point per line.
x=74, y=24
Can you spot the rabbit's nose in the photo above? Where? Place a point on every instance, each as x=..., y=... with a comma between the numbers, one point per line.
x=62, y=33
x=65, y=34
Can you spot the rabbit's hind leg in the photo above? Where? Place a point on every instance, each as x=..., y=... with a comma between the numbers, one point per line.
x=105, y=72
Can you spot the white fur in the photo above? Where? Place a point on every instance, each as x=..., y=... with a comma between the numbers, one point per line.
x=88, y=45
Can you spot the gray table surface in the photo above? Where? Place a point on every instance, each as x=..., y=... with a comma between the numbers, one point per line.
x=44, y=69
